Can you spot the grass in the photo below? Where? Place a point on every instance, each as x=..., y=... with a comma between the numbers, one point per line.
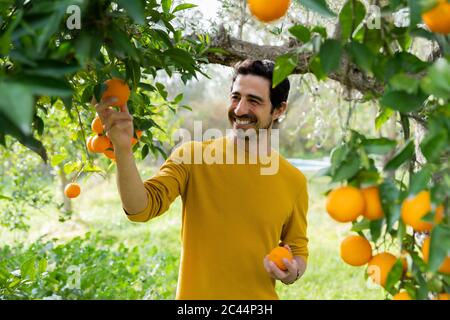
x=98, y=209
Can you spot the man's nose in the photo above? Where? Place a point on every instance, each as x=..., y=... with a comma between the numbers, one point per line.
x=241, y=109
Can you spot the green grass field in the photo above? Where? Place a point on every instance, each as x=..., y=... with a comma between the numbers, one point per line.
x=98, y=209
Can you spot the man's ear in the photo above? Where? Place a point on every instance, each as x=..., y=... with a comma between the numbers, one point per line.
x=279, y=111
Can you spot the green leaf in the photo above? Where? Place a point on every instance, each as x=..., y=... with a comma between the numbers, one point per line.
x=350, y=17
x=378, y=146
x=16, y=104
x=406, y=83
x=57, y=159
x=144, y=151
x=51, y=26
x=322, y=31
x=402, y=101
x=183, y=6
x=135, y=9
x=87, y=47
x=301, y=33
x=434, y=144
x=348, y=169
x=45, y=86
x=319, y=6
x=71, y=167
x=166, y=4
x=394, y=276
x=42, y=265
x=5, y=38
x=361, y=225
x=405, y=154
x=284, y=65
x=181, y=58
x=389, y=196
x=316, y=68
x=122, y=44
x=375, y=229
x=2, y=197
x=162, y=90
x=330, y=55
x=178, y=99
x=439, y=246
x=382, y=117
x=437, y=82
x=419, y=180
x=361, y=55
x=28, y=269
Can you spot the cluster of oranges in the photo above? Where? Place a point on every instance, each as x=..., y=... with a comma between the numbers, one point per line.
x=346, y=204
x=100, y=143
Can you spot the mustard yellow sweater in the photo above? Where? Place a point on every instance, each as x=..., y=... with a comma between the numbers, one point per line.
x=232, y=217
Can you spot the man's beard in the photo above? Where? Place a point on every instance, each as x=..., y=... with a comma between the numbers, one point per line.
x=245, y=133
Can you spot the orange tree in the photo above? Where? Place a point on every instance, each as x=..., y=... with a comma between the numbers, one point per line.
x=409, y=177
x=55, y=56
x=58, y=53
x=45, y=62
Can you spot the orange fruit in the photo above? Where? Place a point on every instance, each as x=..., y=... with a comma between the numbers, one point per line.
x=403, y=295
x=268, y=10
x=110, y=154
x=443, y=296
x=415, y=208
x=379, y=267
x=89, y=144
x=116, y=88
x=445, y=266
x=138, y=135
x=97, y=125
x=345, y=204
x=438, y=18
x=356, y=250
x=100, y=143
x=72, y=190
x=373, y=209
x=278, y=254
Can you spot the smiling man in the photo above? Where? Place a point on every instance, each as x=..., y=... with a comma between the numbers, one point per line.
x=232, y=214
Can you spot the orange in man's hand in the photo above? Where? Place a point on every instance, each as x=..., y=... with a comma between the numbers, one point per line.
x=100, y=143
x=97, y=125
x=89, y=143
x=278, y=254
x=72, y=190
x=118, y=89
x=268, y=10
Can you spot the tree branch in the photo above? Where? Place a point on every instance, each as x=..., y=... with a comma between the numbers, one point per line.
x=239, y=50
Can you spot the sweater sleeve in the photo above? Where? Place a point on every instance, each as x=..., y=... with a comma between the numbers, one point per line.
x=295, y=230
x=165, y=186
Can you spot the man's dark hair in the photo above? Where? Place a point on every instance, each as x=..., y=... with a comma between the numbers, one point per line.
x=264, y=68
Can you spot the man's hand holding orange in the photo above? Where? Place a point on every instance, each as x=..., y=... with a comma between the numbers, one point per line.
x=282, y=267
